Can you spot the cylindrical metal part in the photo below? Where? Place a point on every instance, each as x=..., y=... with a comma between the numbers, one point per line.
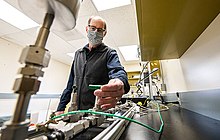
x=97, y=107
x=21, y=108
x=115, y=130
x=73, y=105
x=150, y=82
x=14, y=131
x=35, y=57
x=27, y=85
x=44, y=31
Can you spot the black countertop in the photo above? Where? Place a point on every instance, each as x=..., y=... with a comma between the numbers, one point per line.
x=179, y=124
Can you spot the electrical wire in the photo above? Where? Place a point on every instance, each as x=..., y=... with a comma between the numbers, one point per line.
x=150, y=109
x=145, y=101
x=138, y=84
x=142, y=71
x=121, y=117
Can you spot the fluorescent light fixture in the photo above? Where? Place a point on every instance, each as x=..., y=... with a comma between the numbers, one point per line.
x=129, y=52
x=14, y=17
x=109, y=4
x=71, y=54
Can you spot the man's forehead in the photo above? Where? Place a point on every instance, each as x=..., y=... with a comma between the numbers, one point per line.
x=97, y=22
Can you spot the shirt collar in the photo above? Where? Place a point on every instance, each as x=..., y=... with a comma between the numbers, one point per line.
x=99, y=48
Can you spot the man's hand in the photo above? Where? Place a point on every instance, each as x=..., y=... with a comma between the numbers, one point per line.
x=59, y=112
x=110, y=93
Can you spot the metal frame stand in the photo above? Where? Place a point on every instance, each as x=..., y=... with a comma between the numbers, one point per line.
x=35, y=57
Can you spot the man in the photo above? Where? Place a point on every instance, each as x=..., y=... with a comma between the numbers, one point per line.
x=97, y=64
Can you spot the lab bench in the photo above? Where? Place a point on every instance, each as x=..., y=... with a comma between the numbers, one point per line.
x=179, y=124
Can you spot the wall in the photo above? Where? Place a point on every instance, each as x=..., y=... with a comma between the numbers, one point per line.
x=201, y=69
x=55, y=75
x=173, y=75
x=40, y=106
x=201, y=62
x=9, y=56
x=133, y=67
x=53, y=82
x=196, y=74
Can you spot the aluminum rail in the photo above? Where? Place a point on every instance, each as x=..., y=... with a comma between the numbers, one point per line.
x=114, y=131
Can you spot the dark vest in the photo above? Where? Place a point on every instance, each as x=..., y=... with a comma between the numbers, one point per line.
x=91, y=71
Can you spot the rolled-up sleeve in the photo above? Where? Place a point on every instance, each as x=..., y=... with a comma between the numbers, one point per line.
x=116, y=70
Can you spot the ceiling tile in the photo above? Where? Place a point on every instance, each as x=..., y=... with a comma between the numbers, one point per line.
x=109, y=41
x=20, y=38
x=70, y=35
x=7, y=28
x=121, y=24
x=87, y=9
x=57, y=44
x=78, y=43
x=32, y=32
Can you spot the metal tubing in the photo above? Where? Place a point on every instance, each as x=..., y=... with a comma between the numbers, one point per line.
x=21, y=108
x=44, y=31
x=115, y=130
x=17, y=129
x=24, y=98
x=150, y=82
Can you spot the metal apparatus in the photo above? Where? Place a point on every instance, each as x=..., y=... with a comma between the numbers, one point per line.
x=67, y=129
x=148, y=76
x=63, y=14
x=65, y=11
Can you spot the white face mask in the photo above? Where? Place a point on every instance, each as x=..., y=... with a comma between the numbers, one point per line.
x=95, y=38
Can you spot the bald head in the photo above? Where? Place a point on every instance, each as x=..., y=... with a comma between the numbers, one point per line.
x=97, y=19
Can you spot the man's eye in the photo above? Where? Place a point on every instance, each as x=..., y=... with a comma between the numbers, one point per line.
x=93, y=28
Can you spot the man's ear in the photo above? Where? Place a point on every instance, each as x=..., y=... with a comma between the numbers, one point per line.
x=105, y=33
x=87, y=29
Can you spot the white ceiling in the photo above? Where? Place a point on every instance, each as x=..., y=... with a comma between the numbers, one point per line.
x=121, y=26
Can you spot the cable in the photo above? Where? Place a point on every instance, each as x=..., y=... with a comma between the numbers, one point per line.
x=145, y=101
x=144, y=67
x=149, y=74
x=121, y=117
x=149, y=109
